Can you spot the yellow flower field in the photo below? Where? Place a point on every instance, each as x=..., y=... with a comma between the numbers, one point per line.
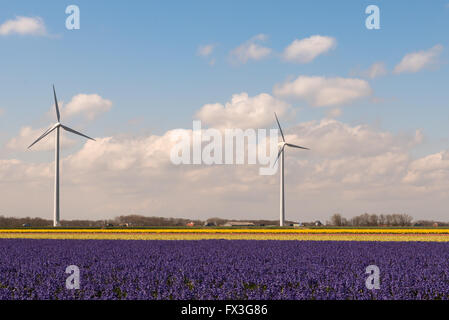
x=432, y=235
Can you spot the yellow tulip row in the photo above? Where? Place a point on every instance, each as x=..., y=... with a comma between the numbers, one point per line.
x=229, y=236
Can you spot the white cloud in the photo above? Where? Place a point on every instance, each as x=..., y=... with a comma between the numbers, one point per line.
x=126, y=153
x=251, y=50
x=331, y=138
x=307, y=49
x=428, y=169
x=24, y=26
x=334, y=113
x=356, y=169
x=322, y=91
x=416, y=61
x=376, y=70
x=13, y=170
x=28, y=135
x=86, y=105
x=243, y=111
x=206, y=50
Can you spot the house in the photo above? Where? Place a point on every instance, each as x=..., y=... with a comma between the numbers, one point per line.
x=190, y=224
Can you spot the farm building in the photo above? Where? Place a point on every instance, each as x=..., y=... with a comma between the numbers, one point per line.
x=238, y=224
x=210, y=224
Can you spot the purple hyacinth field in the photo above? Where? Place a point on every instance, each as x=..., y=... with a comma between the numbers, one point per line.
x=222, y=269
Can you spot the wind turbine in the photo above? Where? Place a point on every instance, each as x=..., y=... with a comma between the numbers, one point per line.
x=57, y=127
x=282, y=146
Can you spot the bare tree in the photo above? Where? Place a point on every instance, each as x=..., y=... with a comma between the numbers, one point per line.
x=338, y=220
x=373, y=220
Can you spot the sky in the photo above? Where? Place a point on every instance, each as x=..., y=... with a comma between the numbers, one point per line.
x=372, y=104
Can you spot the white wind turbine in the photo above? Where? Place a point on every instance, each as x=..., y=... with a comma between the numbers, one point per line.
x=282, y=146
x=56, y=127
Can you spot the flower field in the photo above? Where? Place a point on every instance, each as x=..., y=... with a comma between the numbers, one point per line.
x=220, y=269
x=240, y=230
x=427, y=235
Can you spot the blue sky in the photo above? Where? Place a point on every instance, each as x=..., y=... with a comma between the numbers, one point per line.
x=143, y=56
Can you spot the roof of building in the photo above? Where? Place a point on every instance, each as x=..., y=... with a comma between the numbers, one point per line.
x=239, y=223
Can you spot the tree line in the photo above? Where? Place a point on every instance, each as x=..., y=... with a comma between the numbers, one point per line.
x=374, y=220
x=126, y=221
x=364, y=220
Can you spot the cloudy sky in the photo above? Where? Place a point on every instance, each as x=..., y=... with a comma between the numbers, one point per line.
x=371, y=104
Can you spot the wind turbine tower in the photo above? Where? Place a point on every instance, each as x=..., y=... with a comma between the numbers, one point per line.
x=57, y=126
x=282, y=146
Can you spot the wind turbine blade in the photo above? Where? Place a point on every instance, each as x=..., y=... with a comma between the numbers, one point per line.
x=279, y=125
x=76, y=132
x=56, y=105
x=279, y=154
x=47, y=132
x=295, y=146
